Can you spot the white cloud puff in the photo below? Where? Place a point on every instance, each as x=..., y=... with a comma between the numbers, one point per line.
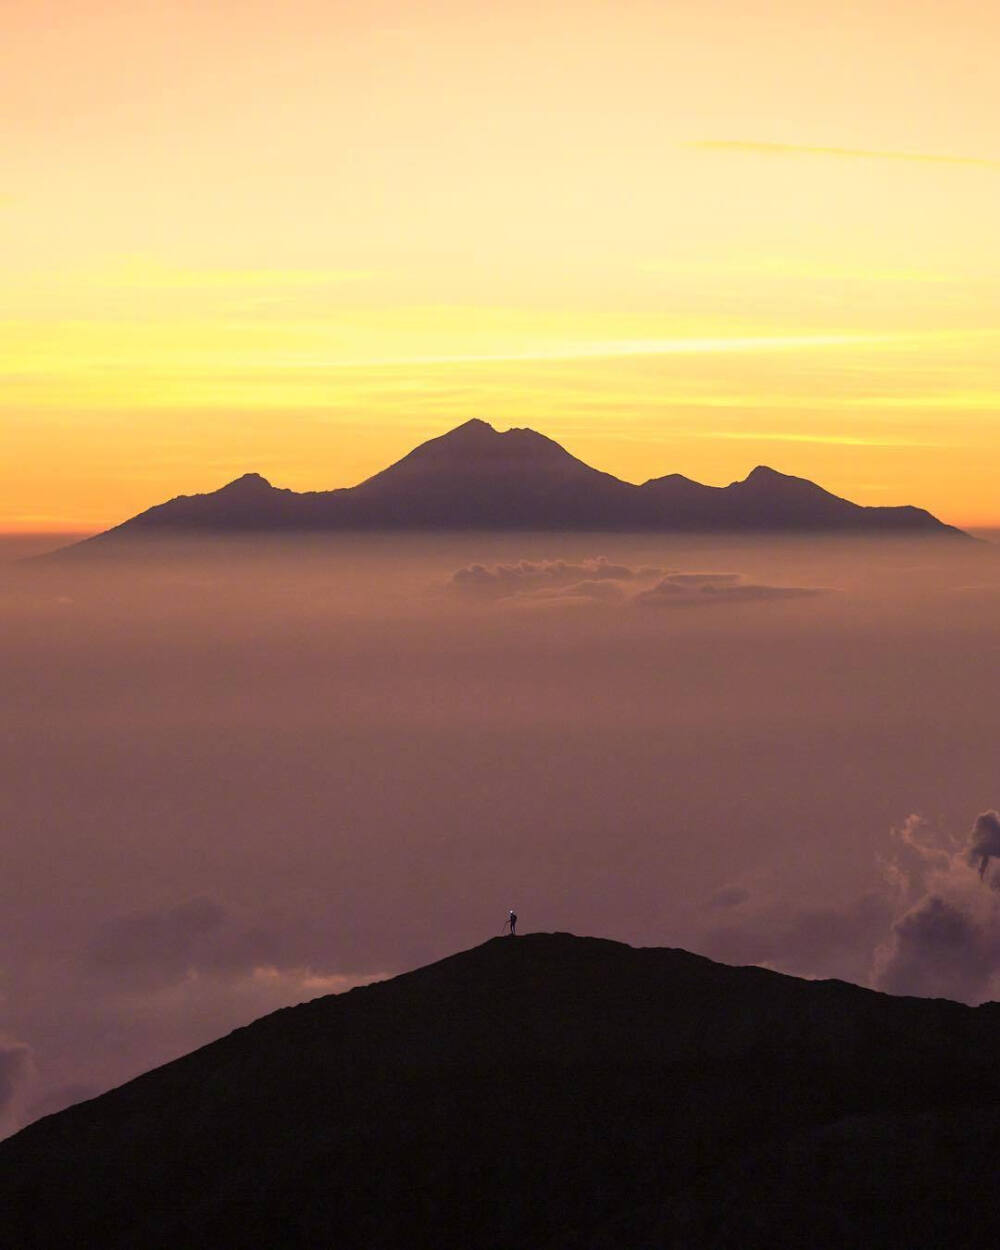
x=945, y=937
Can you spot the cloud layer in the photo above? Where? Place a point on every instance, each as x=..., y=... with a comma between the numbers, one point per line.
x=714, y=589
x=984, y=840
x=15, y=1073
x=945, y=938
x=599, y=579
x=532, y=576
x=149, y=951
x=931, y=928
x=229, y=786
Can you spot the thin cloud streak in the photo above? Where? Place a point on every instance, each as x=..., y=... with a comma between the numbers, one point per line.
x=805, y=149
x=837, y=440
x=623, y=348
x=154, y=277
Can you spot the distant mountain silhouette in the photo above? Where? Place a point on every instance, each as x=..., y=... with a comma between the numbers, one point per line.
x=478, y=478
x=545, y=1092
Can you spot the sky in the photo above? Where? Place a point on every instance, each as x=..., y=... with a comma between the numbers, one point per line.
x=300, y=238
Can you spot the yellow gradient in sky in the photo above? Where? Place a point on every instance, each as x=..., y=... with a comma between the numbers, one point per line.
x=299, y=238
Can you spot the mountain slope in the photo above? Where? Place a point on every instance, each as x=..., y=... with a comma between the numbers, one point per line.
x=475, y=477
x=544, y=1091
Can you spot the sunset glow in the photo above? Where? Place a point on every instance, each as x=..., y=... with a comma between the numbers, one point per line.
x=490, y=471
x=299, y=239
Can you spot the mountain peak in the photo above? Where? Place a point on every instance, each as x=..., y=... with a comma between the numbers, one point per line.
x=476, y=449
x=763, y=477
x=480, y=435
x=249, y=483
x=766, y=480
x=473, y=425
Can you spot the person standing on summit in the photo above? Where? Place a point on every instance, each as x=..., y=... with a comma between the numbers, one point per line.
x=512, y=923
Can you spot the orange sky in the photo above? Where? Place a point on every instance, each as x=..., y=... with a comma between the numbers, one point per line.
x=299, y=238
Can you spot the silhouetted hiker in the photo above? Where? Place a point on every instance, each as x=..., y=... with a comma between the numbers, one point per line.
x=512, y=923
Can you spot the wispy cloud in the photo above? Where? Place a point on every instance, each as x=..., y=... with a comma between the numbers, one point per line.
x=838, y=440
x=700, y=589
x=805, y=149
x=163, y=277
x=797, y=267
x=613, y=349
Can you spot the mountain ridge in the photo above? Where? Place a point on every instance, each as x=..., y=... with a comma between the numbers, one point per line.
x=546, y=1091
x=476, y=477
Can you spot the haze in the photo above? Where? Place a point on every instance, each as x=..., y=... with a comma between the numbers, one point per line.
x=237, y=775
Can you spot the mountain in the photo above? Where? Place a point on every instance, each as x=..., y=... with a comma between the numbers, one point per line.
x=476, y=477
x=547, y=1092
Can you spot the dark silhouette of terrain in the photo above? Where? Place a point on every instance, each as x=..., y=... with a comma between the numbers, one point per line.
x=550, y=1093
x=478, y=478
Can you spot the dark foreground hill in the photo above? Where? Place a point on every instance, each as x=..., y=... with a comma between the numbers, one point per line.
x=476, y=477
x=547, y=1093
